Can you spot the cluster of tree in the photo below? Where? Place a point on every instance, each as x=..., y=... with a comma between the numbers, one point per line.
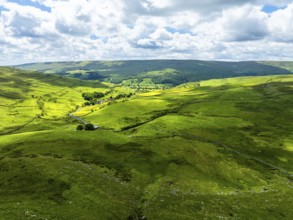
x=92, y=98
x=123, y=95
x=87, y=127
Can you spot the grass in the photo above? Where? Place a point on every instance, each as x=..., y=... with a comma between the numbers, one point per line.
x=201, y=150
x=252, y=114
x=26, y=95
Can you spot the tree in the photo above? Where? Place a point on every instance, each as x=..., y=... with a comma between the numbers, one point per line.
x=98, y=94
x=88, y=96
x=79, y=128
x=89, y=127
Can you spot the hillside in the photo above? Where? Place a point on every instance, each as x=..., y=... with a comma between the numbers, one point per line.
x=288, y=65
x=161, y=73
x=216, y=149
x=27, y=97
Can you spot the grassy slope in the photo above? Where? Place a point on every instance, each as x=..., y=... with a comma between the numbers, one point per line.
x=242, y=112
x=288, y=65
x=183, y=153
x=25, y=95
x=165, y=72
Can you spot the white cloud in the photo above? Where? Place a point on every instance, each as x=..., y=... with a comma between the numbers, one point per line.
x=127, y=29
x=161, y=34
x=242, y=24
x=279, y=3
x=280, y=24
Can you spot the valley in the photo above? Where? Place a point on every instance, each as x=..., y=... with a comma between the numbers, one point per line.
x=158, y=74
x=210, y=148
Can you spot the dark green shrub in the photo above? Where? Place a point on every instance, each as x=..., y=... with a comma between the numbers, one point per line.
x=79, y=128
x=89, y=127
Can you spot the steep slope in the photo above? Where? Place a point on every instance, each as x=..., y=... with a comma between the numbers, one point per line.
x=208, y=150
x=167, y=72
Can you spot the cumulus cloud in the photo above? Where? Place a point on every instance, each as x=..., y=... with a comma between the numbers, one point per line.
x=246, y=23
x=280, y=25
x=148, y=44
x=51, y=30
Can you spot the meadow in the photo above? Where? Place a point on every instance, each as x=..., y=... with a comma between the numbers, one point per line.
x=27, y=97
x=215, y=149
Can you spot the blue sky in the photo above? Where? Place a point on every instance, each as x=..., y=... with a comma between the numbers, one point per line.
x=51, y=30
x=271, y=8
x=35, y=4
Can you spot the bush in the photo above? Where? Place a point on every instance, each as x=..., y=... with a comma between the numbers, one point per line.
x=89, y=127
x=79, y=128
x=98, y=94
x=88, y=96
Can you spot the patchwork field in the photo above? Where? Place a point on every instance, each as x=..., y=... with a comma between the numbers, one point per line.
x=216, y=149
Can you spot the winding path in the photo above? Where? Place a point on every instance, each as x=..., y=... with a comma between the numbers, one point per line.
x=82, y=120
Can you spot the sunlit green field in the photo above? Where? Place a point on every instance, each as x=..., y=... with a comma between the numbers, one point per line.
x=26, y=95
x=217, y=149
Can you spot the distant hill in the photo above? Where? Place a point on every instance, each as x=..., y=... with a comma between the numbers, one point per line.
x=288, y=65
x=166, y=72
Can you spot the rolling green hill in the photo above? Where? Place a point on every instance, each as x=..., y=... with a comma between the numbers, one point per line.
x=288, y=65
x=30, y=97
x=163, y=73
x=216, y=149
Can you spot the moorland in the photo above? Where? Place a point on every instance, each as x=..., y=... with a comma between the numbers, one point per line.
x=214, y=146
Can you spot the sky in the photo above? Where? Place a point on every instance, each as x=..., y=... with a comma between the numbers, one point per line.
x=74, y=30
